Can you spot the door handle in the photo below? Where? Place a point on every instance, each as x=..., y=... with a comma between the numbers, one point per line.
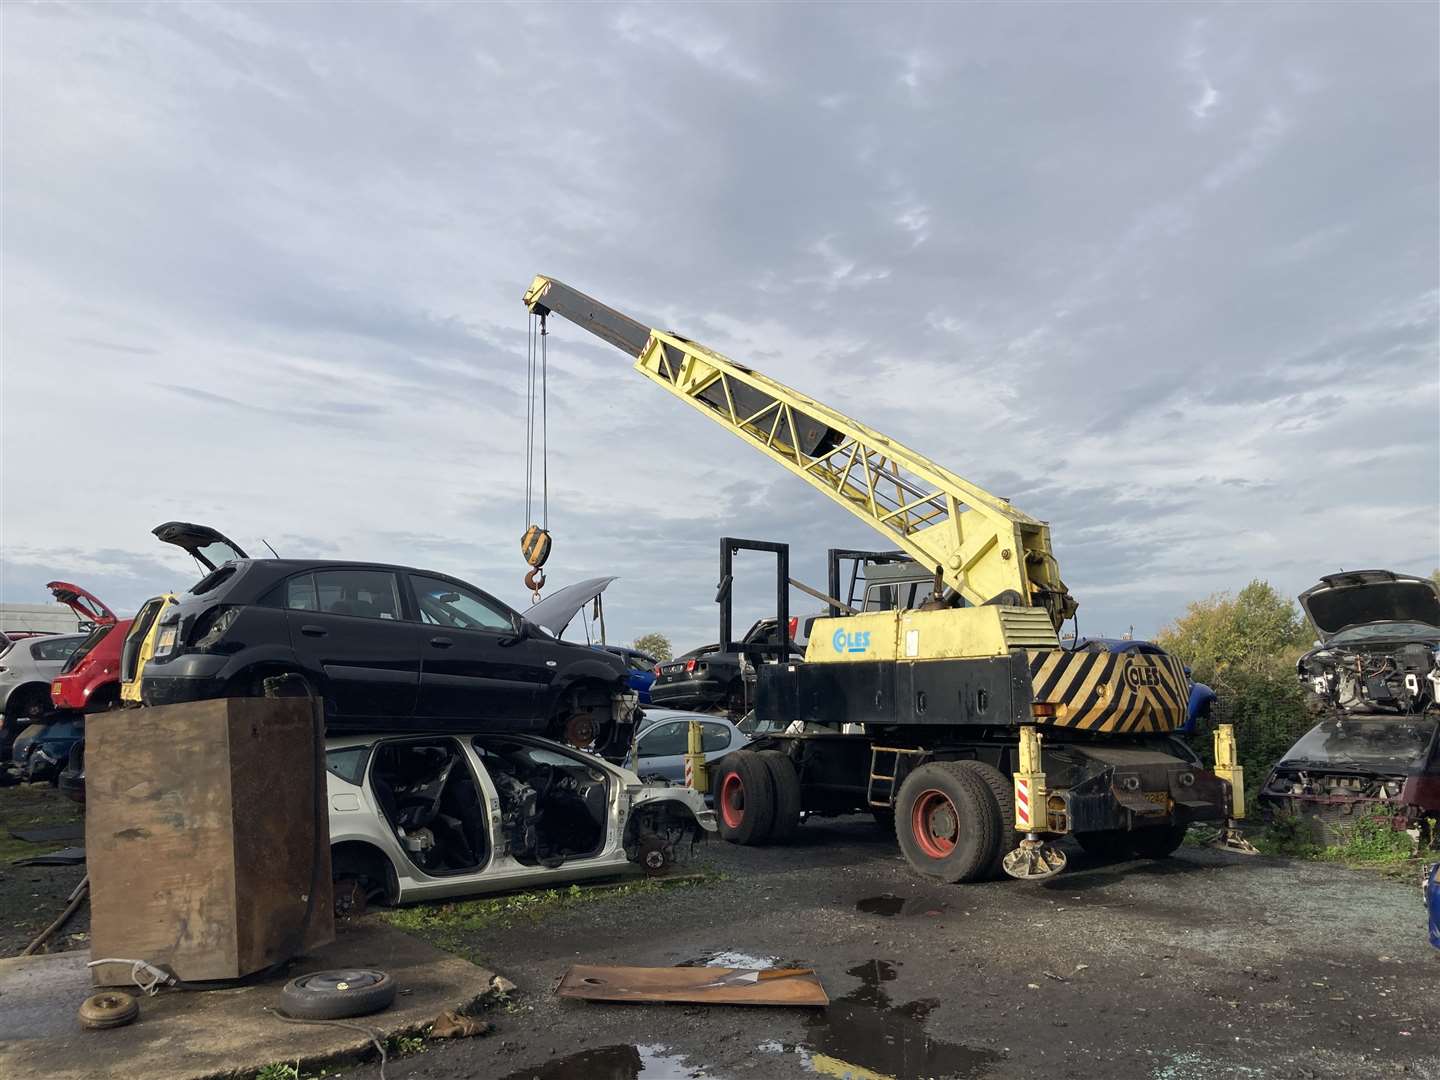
x=441, y=642
x=311, y=630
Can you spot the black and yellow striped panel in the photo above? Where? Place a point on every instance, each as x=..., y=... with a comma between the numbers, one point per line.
x=1114, y=692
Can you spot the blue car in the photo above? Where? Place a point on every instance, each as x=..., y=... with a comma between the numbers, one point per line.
x=1202, y=698
x=42, y=750
x=641, y=667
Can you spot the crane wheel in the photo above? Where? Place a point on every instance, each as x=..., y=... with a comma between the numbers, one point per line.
x=1003, y=788
x=744, y=798
x=786, y=783
x=948, y=822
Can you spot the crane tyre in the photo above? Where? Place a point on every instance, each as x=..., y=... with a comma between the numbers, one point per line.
x=786, y=783
x=948, y=822
x=744, y=799
x=1003, y=789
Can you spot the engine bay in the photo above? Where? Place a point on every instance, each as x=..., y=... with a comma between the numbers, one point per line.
x=1380, y=678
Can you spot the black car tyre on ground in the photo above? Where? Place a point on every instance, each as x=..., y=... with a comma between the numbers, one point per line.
x=335, y=995
x=1003, y=788
x=947, y=822
x=744, y=798
x=1107, y=845
x=787, y=794
x=1159, y=842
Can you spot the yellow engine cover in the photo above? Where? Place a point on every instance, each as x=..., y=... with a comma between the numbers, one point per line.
x=1114, y=692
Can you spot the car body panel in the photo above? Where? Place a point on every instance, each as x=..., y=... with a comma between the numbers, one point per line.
x=27, y=667
x=357, y=817
x=90, y=679
x=556, y=611
x=86, y=605
x=1358, y=597
x=207, y=546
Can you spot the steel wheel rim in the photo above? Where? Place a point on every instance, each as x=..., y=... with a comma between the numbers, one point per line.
x=732, y=800
x=935, y=823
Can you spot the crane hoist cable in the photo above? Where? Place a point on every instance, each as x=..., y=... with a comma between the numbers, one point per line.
x=535, y=542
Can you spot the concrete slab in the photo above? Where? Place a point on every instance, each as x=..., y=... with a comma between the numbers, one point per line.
x=183, y=1035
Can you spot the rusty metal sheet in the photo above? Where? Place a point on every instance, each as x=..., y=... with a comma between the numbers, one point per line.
x=702, y=985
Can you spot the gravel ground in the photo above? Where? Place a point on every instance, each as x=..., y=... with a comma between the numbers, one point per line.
x=1204, y=965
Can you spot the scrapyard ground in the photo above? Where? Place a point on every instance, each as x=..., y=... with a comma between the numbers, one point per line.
x=1206, y=965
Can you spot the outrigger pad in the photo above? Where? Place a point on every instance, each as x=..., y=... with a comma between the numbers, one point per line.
x=1034, y=860
x=1231, y=839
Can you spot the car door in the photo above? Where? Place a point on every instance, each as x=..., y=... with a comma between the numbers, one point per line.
x=348, y=623
x=474, y=665
x=660, y=750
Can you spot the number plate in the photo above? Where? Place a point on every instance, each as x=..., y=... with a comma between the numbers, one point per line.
x=167, y=640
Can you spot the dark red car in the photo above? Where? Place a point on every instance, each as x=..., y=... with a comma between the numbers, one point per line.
x=90, y=679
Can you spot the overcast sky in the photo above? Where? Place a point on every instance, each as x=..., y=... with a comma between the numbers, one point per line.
x=1164, y=275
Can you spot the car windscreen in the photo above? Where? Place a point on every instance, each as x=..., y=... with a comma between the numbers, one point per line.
x=1387, y=631
x=83, y=649
x=1390, y=745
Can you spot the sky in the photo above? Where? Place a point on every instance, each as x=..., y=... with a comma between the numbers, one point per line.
x=1163, y=275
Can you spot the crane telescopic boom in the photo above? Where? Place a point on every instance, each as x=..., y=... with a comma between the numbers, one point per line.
x=985, y=550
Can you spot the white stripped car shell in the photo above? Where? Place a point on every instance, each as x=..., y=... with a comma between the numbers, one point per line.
x=356, y=819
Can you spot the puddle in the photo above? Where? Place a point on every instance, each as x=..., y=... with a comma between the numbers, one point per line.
x=728, y=958
x=865, y=1034
x=623, y=1062
x=889, y=906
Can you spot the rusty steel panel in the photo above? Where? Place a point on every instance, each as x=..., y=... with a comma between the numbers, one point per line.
x=207, y=850
x=700, y=985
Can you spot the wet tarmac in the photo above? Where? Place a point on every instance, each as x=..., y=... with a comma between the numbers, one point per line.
x=890, y=906
x=622, y=1062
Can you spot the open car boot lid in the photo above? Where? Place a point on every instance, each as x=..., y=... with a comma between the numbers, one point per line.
x=1357, y=597
x=556, y=610
x=84, y=604
x=209, y=547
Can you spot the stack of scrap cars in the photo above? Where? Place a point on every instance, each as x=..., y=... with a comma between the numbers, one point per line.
x=469, y=749
x=1374, y=680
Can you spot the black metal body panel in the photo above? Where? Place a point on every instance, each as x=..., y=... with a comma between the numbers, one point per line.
x=991, y=692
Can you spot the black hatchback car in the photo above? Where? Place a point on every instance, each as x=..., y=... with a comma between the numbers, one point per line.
x=385, y=644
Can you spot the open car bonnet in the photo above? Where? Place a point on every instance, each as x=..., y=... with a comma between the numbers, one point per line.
x=1369, y=596
x=210, y=548
x=84, y=604
x=556, y=610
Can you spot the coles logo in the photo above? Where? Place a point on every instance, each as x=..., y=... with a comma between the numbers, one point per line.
x=1138, y=675
x=857, y=642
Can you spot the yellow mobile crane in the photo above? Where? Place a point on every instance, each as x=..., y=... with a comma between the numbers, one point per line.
x=954, y=695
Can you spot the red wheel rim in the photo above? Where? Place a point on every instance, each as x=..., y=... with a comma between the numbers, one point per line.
x=935, y=823
x=732, y=800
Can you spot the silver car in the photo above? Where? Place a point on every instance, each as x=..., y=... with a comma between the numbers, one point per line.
x=421, y=817
x=26, y=667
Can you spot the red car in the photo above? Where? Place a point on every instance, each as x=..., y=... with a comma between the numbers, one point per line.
x=90, y=679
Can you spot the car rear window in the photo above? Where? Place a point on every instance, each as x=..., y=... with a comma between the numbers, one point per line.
x=83, y=649
x=210, y=581
x=54, y=648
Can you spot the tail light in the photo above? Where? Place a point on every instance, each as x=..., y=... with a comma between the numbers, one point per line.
x=655, y=669
x=794, y=625
x=689, y=665
x=213, y=625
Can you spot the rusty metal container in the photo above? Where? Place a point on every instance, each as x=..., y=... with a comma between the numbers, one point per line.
x=207, y=836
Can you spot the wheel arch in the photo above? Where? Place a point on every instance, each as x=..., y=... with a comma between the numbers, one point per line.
x=364, y=858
